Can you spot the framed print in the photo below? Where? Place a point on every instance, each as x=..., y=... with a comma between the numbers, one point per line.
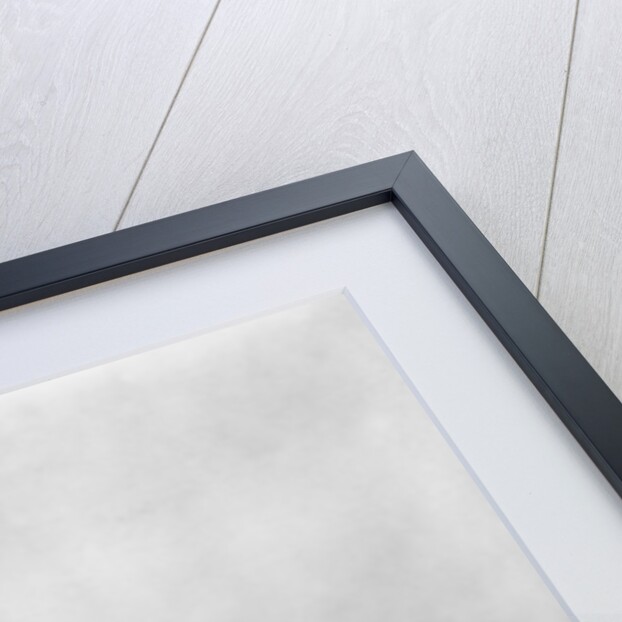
x=524, y=414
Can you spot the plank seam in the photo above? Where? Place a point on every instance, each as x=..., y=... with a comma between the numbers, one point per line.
x=547, y=218
x=166, y=116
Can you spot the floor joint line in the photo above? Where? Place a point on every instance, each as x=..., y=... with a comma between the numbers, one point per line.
x=562, y=115
x=166, y=116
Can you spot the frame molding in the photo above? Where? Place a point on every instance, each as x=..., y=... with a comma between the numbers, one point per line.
x=577, y=394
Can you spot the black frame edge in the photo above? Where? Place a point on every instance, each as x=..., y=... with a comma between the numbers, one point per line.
x=113, y=255
x=571, y=387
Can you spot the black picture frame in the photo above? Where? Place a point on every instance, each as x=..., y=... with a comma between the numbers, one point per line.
x=577, y=394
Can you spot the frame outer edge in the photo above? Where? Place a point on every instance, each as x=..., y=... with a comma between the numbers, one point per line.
x=120, y=253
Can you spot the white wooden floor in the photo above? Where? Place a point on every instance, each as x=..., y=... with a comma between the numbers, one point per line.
x=112, y=114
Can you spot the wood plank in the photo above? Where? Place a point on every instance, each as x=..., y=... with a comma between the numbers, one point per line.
x=84, y=87
x=279, y=92
x=582, y=276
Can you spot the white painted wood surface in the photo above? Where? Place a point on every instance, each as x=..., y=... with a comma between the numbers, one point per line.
x=582, y=275
x=84, y=87
x=282, y=91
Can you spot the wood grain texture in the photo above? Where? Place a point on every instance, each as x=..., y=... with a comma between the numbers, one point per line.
x=279, y=92
x=582, y=275
x=84, y=87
